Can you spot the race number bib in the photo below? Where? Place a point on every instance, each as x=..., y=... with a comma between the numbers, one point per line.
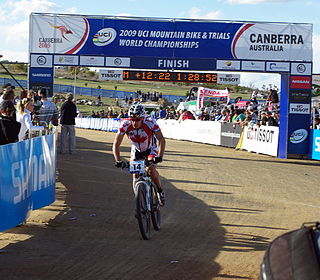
x=136, y=167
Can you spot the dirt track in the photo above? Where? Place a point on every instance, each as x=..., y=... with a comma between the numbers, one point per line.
x=224, y=207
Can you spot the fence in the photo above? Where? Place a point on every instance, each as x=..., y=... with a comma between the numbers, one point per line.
x=27, y=178
x=88, y=91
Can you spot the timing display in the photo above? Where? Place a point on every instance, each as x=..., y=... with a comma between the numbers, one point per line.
x=184, y=77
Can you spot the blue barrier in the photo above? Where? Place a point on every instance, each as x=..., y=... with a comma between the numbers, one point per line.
x=315, y=144
x=27, y=178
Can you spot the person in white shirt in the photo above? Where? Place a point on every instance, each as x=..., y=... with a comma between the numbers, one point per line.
x=24, y=109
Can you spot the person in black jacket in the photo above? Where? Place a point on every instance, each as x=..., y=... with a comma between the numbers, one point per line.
x=67, y=121
x=9, y=127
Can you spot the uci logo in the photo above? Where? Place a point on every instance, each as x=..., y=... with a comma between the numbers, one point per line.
x=104, y=37
x=298, y=136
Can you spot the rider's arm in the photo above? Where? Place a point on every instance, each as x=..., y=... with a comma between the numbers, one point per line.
x=162, y=142
x=116, y=146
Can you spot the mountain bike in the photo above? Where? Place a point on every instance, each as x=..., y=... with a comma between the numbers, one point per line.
x=146, y=198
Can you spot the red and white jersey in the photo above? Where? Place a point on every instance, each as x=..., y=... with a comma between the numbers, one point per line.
x=143, y=138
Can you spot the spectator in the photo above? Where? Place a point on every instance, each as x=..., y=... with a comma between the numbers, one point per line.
x=316, y=123
x=224, y=115
x=263, y=118
x=4, y=89
x=24, y=108
x=238, y=117
x=9, y=127
x=155, y=114
x=8, y=94
x=270, y=120
x=162, y=113
x=254, y=117
x=186, y=115
x=48, y=111
x=272, y=99
x=67, y=121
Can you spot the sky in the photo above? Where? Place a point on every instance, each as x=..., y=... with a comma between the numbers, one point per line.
x=14, y=19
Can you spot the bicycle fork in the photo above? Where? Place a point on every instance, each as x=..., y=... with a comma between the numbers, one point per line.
x=148, y=195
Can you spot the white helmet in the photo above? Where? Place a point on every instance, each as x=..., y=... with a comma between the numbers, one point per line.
x=137, y=110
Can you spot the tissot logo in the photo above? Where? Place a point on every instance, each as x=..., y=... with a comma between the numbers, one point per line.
x=296, y=108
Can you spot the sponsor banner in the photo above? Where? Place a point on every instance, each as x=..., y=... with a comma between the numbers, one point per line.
x=60, y=34
x=298, y=134
x=301, y=69
x=110, y=75
x=267, y=41
x=300, y=95
x=203, y=92
x=118, y=61
x=41, y=60
x=300, y=82
x=192, y=130
x=228, y=65
x=253, y=66
x=296, y=108
x=316, y=80
x=41, y=78
x=27, y=178
x=41, y=75
x=103, y=35
x=228, y=79
x=230, y=135
x=92, y=60
x=274, y=66
x=315, y=144
x=261, y=139
x=66, y=60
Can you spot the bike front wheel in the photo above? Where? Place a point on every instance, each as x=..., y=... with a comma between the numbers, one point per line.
x=155, y=208
x=142, y=210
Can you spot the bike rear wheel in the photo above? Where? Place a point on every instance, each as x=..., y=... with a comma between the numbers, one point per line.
x=142, y=211
x=155, y=209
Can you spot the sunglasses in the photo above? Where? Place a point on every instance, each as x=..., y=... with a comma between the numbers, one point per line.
x=135, y=119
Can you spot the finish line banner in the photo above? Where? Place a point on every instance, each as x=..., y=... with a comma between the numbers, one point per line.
x=27, y=178
x=126, y=37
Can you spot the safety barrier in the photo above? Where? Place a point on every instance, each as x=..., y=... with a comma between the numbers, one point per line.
x=315, y=144
x=104, y=124
x=27, y=178
x=262, y=139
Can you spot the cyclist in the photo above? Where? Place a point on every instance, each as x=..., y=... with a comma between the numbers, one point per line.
x=143, y=132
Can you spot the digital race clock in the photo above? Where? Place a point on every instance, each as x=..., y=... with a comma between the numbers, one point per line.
x=164, y=76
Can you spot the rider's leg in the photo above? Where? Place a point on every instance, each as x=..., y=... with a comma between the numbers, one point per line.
x=155, y=177
x=134, y=179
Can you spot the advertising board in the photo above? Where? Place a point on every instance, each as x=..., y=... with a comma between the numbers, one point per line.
x=127, y=37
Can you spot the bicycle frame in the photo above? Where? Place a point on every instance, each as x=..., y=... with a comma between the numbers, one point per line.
x=147, y=203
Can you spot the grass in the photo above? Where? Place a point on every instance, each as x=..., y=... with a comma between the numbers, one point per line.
x=128, y=86
x=166, y=88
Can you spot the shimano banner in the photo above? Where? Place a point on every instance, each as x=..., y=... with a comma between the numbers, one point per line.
x=27, y=178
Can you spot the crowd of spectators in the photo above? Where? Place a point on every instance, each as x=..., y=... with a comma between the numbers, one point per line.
x=143, y=97
x=22, y=115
